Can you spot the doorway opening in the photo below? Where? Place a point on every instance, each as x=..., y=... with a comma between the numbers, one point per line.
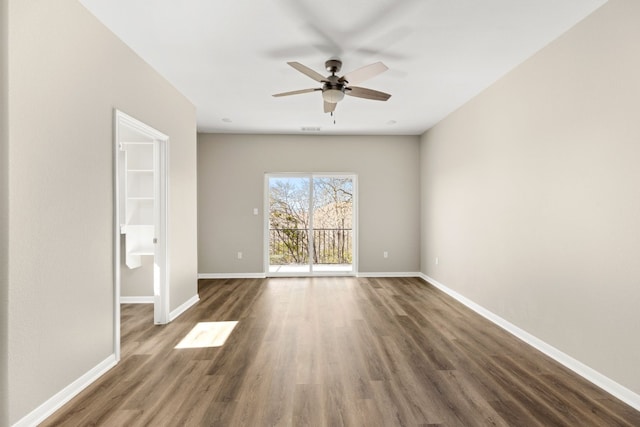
x=310, y=226
x=140, y=220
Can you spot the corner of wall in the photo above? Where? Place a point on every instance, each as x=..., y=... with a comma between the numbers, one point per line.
x=423, y=197
x=4, y=208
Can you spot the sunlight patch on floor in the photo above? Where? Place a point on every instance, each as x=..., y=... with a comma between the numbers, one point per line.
x=208, y=334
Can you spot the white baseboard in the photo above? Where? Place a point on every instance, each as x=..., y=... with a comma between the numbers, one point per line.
x=263, y=275
x=231, y=275
x=136, y=300
x=184, y=307
x=389, y=274
x=590, y=374
x=43, y=411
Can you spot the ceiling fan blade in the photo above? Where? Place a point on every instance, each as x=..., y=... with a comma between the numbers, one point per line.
x=295, y=92
x=363, y=92
x=364, y=73
x=329, y=107
x=307, y=71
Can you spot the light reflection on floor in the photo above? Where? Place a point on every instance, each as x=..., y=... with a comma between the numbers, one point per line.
x=208, y=334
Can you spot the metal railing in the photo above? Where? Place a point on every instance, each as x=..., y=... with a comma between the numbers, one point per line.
x=291, y=246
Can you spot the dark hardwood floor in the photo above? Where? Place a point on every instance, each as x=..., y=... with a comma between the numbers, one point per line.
x=334, y=352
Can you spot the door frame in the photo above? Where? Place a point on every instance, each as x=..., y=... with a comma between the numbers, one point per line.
x=121, y=120
x=267, y=211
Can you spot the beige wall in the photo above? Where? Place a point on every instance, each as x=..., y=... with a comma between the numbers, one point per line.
x=67, y=74
x=4, y=212
x=231, y=172
x=531, y=195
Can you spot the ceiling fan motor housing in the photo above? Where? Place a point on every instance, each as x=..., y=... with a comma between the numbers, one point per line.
x=333, y=65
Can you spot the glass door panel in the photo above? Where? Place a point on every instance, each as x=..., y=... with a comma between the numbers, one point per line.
x=289, y=200
x=332, y=224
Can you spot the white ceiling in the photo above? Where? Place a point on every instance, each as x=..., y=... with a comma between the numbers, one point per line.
x=229, y=56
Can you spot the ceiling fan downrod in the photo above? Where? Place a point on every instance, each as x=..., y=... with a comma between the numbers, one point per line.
x=333, y=66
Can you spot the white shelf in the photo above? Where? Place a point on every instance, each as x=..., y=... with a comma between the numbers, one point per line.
x=138, y=242
x=138, y=200
x=146, y=229
x=140, y=252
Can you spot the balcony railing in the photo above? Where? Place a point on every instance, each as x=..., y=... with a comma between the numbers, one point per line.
x=291, y=246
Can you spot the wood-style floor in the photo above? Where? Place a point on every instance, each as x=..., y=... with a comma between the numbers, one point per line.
x=334, y=352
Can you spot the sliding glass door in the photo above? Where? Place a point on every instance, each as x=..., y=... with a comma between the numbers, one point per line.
x=310, y=227
x=289, y=223
x=332, y=224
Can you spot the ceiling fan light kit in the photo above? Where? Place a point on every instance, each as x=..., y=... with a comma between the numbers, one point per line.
x=334, y=88
x=333, y=96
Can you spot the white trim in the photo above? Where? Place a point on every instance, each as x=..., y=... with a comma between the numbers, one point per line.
x=161, y=194
x=334, y=274
x=355, y=225
x=389, y=274
x=314, y=274
x=266, y=212
x=116, y=234
x=590, y=374
x=231, y=276
x=43, y=411
x=137, y=300
x=184, y=307
x=161, y=221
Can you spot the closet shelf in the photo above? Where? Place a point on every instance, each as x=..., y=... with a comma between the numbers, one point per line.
x=137, y=216
x=140, y=252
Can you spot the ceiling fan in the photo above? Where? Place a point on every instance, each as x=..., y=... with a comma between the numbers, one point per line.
x=334, y=88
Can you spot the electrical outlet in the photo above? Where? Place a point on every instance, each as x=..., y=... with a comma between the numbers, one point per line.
x=255, y=211
x=239, y=255
x=385, y=254
x=437, y=260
